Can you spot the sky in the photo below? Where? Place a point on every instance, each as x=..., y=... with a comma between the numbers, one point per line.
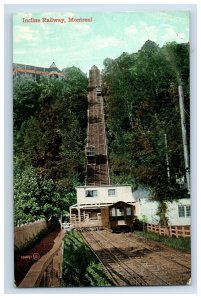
x=86, y=44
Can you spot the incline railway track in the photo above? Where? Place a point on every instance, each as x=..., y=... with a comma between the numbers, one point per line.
x=117, y=269
x=97, y=173
x=129, y=260
x=169, y=254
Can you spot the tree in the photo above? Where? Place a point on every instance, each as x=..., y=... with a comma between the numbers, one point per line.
x=142, y=111
x=49, y=143
x=25, y=100
x=26, y=193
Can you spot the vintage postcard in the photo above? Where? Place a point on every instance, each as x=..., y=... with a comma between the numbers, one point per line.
x=101, y=126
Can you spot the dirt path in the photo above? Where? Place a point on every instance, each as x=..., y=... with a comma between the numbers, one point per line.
x=28, y=258
x=133, y=260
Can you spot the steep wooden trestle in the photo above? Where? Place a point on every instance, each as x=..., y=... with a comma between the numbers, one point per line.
x=97, y=170
x=95, y=199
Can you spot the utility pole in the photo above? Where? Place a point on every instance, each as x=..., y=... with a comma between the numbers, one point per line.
x=167, y=158
x=184, y=135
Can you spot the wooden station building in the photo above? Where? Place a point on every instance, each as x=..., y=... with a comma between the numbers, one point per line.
x=98, y=206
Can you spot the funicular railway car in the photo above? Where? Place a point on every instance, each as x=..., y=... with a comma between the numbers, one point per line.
x=90, y=155
x=118, y=216
x=98, y=90
x=94, y=77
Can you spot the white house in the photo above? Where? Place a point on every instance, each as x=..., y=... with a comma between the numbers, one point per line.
x=178, y=211
x=103, y=195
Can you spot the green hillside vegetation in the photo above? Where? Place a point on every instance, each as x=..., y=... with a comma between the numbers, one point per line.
x=142, y=106
x=49, y=138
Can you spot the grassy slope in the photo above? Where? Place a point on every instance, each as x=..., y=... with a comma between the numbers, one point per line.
x=80, y=265
x=183, y=244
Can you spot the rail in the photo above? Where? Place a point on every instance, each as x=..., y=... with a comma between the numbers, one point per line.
x=176, y=231
x=130, y=260
x=118, y=271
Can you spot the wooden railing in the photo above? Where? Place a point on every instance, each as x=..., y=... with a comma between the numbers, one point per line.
x=177, y=231
x=85, y=222
x=47, y=271
x=180, y=231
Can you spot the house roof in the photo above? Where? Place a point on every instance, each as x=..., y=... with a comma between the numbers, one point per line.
x=52, y=67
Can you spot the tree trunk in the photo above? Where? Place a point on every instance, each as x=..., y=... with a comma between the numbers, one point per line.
x=165, y=224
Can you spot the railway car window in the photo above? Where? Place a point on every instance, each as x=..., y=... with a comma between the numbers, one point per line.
x=113, y=212
x=92, y=193
x=128, y=211
x=120, y=212
x=111, y=192
x=90, y=151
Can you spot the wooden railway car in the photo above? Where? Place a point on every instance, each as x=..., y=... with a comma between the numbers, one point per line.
x=118, y=216
x=91, y=155
x=98, y=90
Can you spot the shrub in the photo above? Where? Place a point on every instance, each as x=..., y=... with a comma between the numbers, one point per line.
x=138, y=225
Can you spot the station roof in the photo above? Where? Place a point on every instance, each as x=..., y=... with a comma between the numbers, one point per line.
x=102, y=186
x=99, y=205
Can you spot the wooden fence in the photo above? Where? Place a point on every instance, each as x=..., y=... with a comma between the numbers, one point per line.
x=47, y=271
x=23, y=234
x=177, y=231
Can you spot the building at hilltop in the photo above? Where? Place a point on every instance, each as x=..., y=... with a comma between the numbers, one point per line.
x=34, y=73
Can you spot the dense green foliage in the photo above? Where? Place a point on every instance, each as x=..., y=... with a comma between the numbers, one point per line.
x=80, y=265
x=142, y=106
x=183, y=244
x=49, y=136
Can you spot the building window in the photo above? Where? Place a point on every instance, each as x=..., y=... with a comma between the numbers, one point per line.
x=37, y=77
x=92, y=193
x=188, y=211
x=181, y=211
x=184, y=211
x=111, y=192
